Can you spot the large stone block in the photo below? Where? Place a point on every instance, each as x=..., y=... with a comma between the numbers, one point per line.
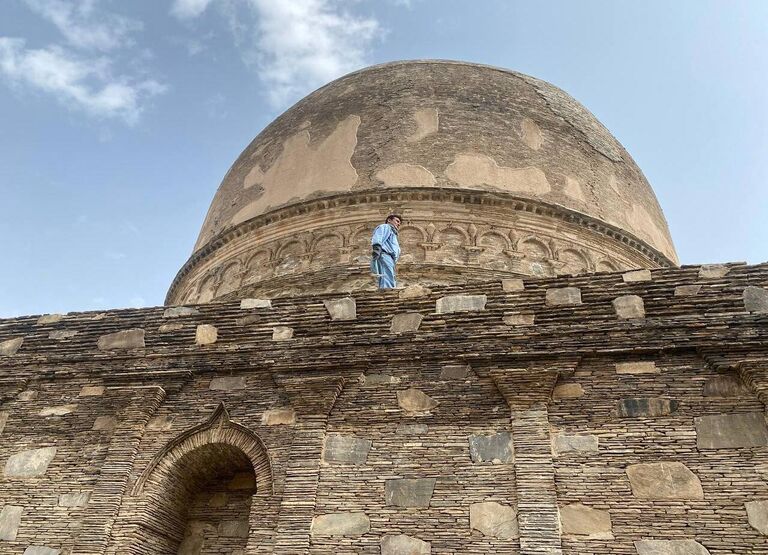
x=409, y=492
x=518, y=318
x=460, y=303
x=341, y=524
x=247, y=304
x=233, y=529
x=629, y=307
x=228, y=383
x=586, y=523
x=574, y=443
x=687, y=290
x=375, y=380
x=495, y=448
x=404, y=545
x=414, y=291
x=636, y=276
x=341, y=309
x=726, y=385
x=206, y=334
x=757, y=514
x=415, y=401
x=62, y=334
x=568, y=391
x=638, y=367
x=455, y=372
x=9, y=347
x=494, y=520
x=46, y=319
x=670, y=547
x=59, y=410
x=104, y=423
x=636, y=407
x=563, y=296
x=41, y=550
x=664, y=480
x=727, y=431
x=411, y=429
x=346, y=449
x=178, y=311
x=122, y=340
x=279, y=416
x=756, y=299
x=406, y=322
x=512, y=285
x=91, y=391
x=76, y=499
x=29, y=464
x=10, y=519
x=282, y=333
x=3, y=420
x=713, y=271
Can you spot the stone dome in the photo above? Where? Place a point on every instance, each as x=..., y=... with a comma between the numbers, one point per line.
x=495, y=173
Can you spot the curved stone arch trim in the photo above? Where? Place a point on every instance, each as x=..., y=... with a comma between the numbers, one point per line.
x=325, y=234
x=536, y=241
x=494, y=233
x=463, y=232
x=281, y=249
x=270, y=257
x=407, y=227
x=217, y=429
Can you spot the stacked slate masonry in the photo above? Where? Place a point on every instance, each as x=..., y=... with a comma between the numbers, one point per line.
x=612, y=414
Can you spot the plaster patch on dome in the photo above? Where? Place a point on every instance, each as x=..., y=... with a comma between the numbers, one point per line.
x=426, y=121
x=303, y=169
x=406, y=175
x=614, y=184
x=531, y=134
x=642, y=224
x=473, y=170
x=573, y=188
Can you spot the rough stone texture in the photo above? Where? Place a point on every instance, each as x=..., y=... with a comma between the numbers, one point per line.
x=46, y=319
x=374, y=380
x=664, y=480
x=628, y=307
x=10, y=519
x=634, y=407
x=206, y=334
x=41, y=550
x=62, y=334
x=122, y=340
x=406, y=322
x=728, y=431
x=512, y=285
x=574, y=443
x=636, y=275
x=409, y=492
x=247, y=304
x=3, y=420
x=494, y=520
x=178, y=311
x=77, y=499
x=757, y=514
x=640, y=367
x=568, y=391
x=756, y=299
x=404, y=545
x=341, y=309
x=687, y=290
x=9, y=347
x=495, y=448
x=228, y=383
x=279, y=416
x=346, y=449
x=563, y=296
x=341, y=524
x=91, y=391
x=60, y=410
x=460, y=303
x=519, y=318
x=414, y=291
x=282, y=333
x=586, y=522
x=728, y=385
x=167, y=328
x=455, y=372
x=713, y=271
x=104, y=423
x=415, y=400
x=29, y=464
x=670, y=547
x=411, y=429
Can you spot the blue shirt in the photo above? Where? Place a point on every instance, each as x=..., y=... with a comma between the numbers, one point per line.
x=386, y=236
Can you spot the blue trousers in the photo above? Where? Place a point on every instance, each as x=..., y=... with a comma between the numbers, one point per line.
x=385, y=267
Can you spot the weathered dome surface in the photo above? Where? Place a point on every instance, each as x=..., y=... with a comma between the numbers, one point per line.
x=452, y=131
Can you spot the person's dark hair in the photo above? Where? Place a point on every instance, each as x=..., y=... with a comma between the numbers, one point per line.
x=398, y=216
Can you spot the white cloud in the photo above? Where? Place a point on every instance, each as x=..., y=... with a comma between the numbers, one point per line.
x=187, y=9
x=84, y=83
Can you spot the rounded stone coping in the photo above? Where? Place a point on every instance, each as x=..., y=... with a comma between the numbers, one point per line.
x=404, y=194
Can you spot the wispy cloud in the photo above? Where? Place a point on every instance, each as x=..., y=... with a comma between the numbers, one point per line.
x=295, y=45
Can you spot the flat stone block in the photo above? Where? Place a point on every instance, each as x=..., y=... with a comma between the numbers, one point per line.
x=228, y=383
x=414, y=291
x=167, y=328
x=3, y=420
x=409, y=492
x=62, y=334
x=161, y=422
x=519, y=318
x=641, y=367
x=104, y=423
x=233, y=529
x=179, y=311
x=126, y=339
x=9, y=347
x=664, y=480
x=455, y=372
x=670, y=547
x=512, y=285
x=586, y=523
x=76, y=499
x=636, y=275
x=568, y=391
x=415, y=400
x=10, y=519
x=341, y=309
x=635, y=407
x=49, y=319
x=206, y=334
x=279, y=416
x=404, y=545
x=28, y=395
x=91, y=391
x=247, y=304
x=687, y=290
x=494, y=520
x=563, y=296
x=726, y=385
x=374, y=380
x=495, y=448
x=713, y=271
x=411, y=429
x=341, y=524
x=346, y=449
x=406, y=322
x=460, y=303
x=729, y=431
x=29, y=464
x=59, y=410
x=756, y=300
x=757, y=513
x=282, y=333
x=41, y=550
x=563, y=444
x=629, y=307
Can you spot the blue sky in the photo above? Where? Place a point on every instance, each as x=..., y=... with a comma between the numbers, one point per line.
x=119, y=119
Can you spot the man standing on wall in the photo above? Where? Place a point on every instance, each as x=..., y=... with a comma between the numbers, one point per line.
x=386, y=251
